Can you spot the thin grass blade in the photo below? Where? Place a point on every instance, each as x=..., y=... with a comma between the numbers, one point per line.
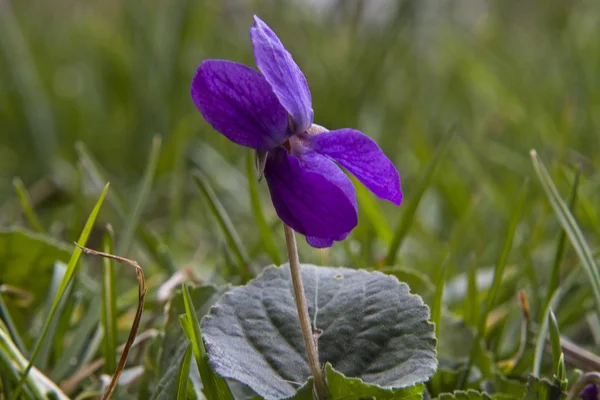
x=109, y=304
x=560, y=247
x=497, y=280
x=25, y=201
x=233, y=238
x=436, y=318
x=72, y=265
x=151, y=243
x=413, y=203
x=215, y=387
x=184, y=373
x=140, y=203
x=570, y=227
x=259, y=216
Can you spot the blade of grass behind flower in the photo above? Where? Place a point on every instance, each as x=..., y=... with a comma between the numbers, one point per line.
x=109, y=304
x=24, y=76
x=215, y=387
x=560, y=247
x=184, y=373
x=436, y=318
x=83, y=238
x=64, y=304
x=497, y=280
x=142, y=198
x=151, y=243
x=370, y=208
x=540, y=343
x=233, y=238
x=570, y=227
x=25, y=201
x=413, y=203
x=259, y=216
x=10, y=325
x=136, y=320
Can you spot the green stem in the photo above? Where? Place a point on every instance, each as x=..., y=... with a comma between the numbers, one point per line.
x=307, y=333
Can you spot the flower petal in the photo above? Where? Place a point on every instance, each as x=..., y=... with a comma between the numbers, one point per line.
x=311, y=194
x=321, y=243
x=360, y=155
x=284, y=75
x=238, y=102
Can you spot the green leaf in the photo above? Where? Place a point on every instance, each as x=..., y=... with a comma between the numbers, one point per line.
x=24, y=254
x=541, y=389
x=344, y=388
x=215, y=387
x=72, y=265
x=261, y=223
x=570, y=227
x=465, y=395
x=373, y=329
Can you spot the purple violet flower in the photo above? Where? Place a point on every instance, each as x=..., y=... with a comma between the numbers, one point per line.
x=271, y=112
x=590, y=392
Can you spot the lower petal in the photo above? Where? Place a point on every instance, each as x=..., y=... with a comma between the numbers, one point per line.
x=363, y=158
x=311, y=194
x=321, y=243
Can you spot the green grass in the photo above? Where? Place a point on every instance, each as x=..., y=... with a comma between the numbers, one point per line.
x=99, y=91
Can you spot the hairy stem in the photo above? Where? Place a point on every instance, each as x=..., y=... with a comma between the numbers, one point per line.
x=307, y=333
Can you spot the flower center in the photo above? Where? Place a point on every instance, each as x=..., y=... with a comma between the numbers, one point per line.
x=300, y=142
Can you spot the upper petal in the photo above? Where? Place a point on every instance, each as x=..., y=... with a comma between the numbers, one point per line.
x=284, y=75
x=238, y=102
x=360, y=155
x=311, y=194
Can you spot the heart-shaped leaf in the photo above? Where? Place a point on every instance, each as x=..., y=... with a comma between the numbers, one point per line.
x=372, y=329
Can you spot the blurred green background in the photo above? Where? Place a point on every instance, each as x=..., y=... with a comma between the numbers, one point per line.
x=85, y=86
x=89, y=88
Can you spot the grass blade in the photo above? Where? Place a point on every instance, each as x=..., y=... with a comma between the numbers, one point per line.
x=134, y=217
x=215, y=387
x=109, y=304
x=472, y=299
x=183, y=373
x=411, y=208
x=554, y=339
x=436, y=317
x=25, y=201
x=540, y=343
x=498, y=273
x=259, y=216
x=10, y=325
x=136, y=320
x=560, y=247
x=151, y=243
x=369, y=207
x=233, y=238
x=85, y=234
x=570, y=227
